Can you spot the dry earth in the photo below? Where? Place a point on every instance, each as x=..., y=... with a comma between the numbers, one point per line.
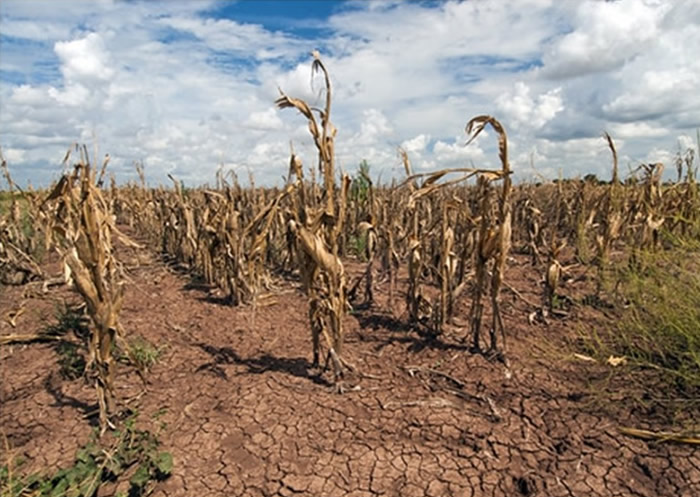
x=246, y=415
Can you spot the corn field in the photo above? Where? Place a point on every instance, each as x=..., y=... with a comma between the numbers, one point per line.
x=434, y=240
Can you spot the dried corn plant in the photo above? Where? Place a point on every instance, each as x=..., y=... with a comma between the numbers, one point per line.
x=554, y=273
x=684, y=203
x=317, y=231
x=439, y=221
x=19, y=232
x=645, y=216
x=613, y=219
x=586, y=203
x=556, y=245
x=447, y=269
x=367, y=230
x=649, y=216
x=527, y=223
x=82, y=227
x=494, y=238
x=231, y=238
x=363, y=205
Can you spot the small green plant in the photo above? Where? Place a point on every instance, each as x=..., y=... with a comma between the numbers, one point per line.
x=69, y=318
x=143, y=354
x=359, y=188
x=357, y=246
x=71, y=359
x=131, y=461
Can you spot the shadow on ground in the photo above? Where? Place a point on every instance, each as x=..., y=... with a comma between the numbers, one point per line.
x=297, y=366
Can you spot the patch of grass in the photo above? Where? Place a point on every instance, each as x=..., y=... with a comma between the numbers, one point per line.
x=71, y=359
x=143, y=354
x=658, y=329
x=127, y=460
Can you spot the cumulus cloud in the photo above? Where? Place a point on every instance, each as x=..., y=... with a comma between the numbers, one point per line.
x=605, y=35
x=265, y=120
x=84, y=59
x=685, y=142
x=246, y=39
x=455, y=152
x=28, y=95
x=637, y=130
x=183, y=89
x=13, y=155
x=374, y=127
x=416, y=144
x=518, y=107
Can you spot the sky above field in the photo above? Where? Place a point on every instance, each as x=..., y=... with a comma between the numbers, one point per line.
x=188, y=87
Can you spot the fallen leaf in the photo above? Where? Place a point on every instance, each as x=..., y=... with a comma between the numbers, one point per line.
x=616, y=361
x=13, y=315
x=531, y=317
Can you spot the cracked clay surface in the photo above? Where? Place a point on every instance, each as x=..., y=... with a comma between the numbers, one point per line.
x=247, y=417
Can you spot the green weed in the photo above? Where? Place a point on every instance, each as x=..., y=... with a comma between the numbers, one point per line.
x=143, y=354
x=130, y=459
x=658, y=327
x=357, y=246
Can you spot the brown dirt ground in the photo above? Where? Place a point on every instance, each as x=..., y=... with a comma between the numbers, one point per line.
x=246, y=415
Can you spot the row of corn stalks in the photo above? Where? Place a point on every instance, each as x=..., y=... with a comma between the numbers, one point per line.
x=445, y=235
x=448, y=233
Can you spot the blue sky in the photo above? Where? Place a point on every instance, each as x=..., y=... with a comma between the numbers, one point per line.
x=188, y=87
x=305, y=19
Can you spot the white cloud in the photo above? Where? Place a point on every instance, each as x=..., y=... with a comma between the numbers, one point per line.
x=171, y=84
x=37, y=31
x=247, y=39
x=657, y=92
x=416, y=144
x=605, y=36
x=523, y=110
x=457, y=155
x=28, y=95
x=374, y=126
x=84, y=59
x=74, y=95
x=13, y=155
x=637, y=130
x=662, y=155
x=265, y=120
x=685, y=142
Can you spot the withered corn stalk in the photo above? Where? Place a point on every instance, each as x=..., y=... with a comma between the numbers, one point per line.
x=317, y=230
x=18, y=246
x=494, y=237
x=82, y=227
x=232, y=238
x=369, y=231
x=649, y=213
x=489, y=234
x=612, y=222
x=554, y=268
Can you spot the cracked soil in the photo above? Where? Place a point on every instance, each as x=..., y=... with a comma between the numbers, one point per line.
x=246, y=416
